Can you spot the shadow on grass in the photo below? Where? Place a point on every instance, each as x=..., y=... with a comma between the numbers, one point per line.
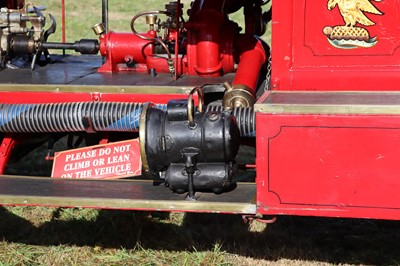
x=301, y=238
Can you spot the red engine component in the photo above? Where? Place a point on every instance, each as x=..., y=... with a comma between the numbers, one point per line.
x=124, y=49
x=14, y=4
x=209, y=45
x=210, y=40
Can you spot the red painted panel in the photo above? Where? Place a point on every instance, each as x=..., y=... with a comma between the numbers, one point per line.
x=386, y=30
x=341, y=166
x=304, y=58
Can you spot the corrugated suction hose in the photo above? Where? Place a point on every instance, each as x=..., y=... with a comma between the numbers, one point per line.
x=92, y=116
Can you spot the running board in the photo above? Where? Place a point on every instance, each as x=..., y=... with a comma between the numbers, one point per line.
x=120, y=194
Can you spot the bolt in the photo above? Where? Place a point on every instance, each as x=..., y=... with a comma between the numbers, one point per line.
x=153, y=72
x=213, y=117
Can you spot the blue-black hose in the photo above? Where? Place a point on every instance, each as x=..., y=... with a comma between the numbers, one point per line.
x=93, y=116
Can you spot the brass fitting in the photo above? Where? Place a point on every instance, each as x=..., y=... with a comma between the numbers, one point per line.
x=237, y=96
x=151, y=20
x=99, y=29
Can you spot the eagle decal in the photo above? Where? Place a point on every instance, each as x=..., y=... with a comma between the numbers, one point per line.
x=351, y=35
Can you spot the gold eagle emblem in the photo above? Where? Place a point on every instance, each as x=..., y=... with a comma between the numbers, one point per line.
x=350, y=35
x=352, y=11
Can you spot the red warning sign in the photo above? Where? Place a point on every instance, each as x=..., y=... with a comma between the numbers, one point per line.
x=108, y=161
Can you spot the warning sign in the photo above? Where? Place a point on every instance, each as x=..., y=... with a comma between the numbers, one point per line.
x=113, y=160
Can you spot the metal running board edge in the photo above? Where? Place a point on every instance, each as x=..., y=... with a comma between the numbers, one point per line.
x=120, y=194
x=330, y=102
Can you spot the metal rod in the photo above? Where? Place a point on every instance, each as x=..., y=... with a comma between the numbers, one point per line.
x=178, y=12
x=104, y=18
x=84, y=46
x=104, y=11
x=56, y=45
x=63, y=37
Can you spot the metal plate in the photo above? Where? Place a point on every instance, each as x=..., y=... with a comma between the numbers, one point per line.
x=121, y=194
x=79, y=73
x=329, y=103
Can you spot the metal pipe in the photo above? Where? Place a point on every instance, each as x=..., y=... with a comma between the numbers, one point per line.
x=170, y=61
x=178, y=11
x=84, y=46
x=104, y=14
x=252, y=55
x=57, y=45
x=63, y=26
x=63, y=39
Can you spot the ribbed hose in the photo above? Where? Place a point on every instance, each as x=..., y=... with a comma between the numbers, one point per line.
x=69, y=117
x=89, y=116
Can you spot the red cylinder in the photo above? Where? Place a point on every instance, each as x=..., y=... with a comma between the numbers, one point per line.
x=204, y=28
x=121, y=49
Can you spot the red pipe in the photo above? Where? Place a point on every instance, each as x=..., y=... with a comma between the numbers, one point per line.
x=204, y=27
x=252, y=56
x=63, y=39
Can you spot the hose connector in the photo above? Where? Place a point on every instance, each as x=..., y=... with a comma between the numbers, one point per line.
x=237, y=96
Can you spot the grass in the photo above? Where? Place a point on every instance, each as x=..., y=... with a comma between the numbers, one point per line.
x=58, y=236
x=73, y=236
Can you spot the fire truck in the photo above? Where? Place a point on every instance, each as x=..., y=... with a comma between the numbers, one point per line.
x=199, y=114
